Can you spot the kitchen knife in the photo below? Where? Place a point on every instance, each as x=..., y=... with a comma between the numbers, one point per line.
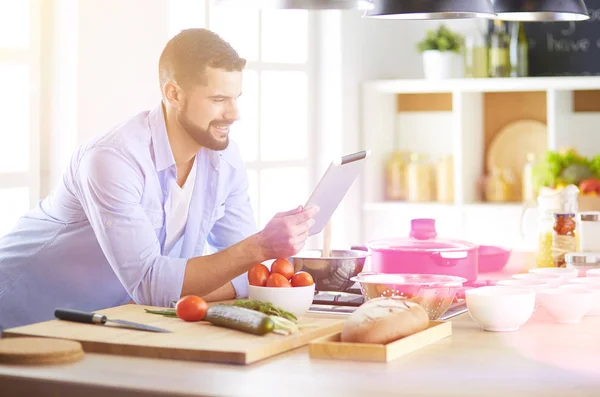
x=96, y=318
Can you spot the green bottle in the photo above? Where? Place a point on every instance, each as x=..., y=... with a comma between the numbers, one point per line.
x=519, y=51
x=499, y=51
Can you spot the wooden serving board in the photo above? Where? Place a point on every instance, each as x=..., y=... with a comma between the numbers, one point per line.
x=330, y=346
x=194, y=341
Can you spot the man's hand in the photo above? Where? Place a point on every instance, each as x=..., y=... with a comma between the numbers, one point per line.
x=286, y=234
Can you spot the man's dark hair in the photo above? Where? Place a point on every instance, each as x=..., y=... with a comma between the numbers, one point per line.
x=186, y=56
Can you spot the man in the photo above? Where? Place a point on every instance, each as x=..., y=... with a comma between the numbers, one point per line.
x=135, y=207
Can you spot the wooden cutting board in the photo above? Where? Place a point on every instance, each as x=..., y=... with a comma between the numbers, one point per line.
x=199, y=341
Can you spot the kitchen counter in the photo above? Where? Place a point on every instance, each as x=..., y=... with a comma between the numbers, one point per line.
x=542, y=359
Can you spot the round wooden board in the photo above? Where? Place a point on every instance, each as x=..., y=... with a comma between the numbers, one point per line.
x=510, y=146
x=39, y=351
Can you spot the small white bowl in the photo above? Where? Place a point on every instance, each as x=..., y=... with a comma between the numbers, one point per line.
x=296, y=300
x=593, y=273
x=567, y=305
x=553, y=280
x=500, y=308
x=595, y=288
x=535, y=285
x=585, y=280
x=564, y=272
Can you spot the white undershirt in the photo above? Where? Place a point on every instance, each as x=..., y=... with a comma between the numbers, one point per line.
x=180, y=204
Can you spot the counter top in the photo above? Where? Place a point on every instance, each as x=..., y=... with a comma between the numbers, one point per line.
x=542, y=359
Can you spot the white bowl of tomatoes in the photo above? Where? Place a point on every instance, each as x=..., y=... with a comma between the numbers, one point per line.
x=293, y=292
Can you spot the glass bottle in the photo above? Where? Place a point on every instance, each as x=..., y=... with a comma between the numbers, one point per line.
x=528, y=190
x=497, y=188
x=445, y=180
x=499, y=52
x=395, y=172
x=420, y=179
x=563, y=237
x=476, y=56
x=519, y=50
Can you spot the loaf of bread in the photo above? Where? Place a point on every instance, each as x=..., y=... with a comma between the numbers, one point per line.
x=384, y=320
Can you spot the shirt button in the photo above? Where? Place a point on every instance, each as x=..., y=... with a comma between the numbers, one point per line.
x=108, y=223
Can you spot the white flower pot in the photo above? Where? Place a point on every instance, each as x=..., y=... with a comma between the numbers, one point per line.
x=442, y=65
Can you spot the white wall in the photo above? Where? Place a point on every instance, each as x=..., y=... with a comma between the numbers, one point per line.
x=105, y=70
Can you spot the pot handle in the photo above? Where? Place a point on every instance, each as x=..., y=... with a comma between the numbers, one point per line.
x=449, y=259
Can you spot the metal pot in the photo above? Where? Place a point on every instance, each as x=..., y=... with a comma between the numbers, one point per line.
x=333, y=273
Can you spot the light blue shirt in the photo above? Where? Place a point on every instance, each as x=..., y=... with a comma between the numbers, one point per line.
x=97, y=240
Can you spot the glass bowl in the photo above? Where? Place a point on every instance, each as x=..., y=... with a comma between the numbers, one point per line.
x=435, y=293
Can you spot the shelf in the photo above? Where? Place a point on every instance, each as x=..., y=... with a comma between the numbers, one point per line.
x=408, y=86
x=406, y=205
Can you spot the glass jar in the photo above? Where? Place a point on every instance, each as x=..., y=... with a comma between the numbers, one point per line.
x=420, y=179
x=445, y=180
x=476, y=56
x=395, y=176
x=497, y=188
x=563, y=237
x=589, y=231
x=528, y=190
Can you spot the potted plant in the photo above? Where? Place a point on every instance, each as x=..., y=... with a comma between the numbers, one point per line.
x=441, y=49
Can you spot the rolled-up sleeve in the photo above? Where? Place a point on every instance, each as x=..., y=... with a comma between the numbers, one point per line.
x=109, y=184
x=237, y=224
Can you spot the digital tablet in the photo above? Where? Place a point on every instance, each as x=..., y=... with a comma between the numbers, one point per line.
x=332, y=187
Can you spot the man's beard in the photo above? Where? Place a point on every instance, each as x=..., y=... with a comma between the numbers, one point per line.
x=202, y=136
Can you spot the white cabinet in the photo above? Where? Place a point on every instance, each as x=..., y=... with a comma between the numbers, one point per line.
x=461, y=117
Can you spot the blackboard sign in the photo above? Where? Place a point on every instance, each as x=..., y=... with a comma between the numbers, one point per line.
x=565, y=48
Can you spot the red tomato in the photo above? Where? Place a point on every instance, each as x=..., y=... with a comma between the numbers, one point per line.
x=283, y=267
x=258, y=274
x=302, y=279
x=277, y=280
x=191, y=308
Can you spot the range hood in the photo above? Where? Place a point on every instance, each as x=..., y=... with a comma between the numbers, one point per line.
x=541, y=10
x=299, y=4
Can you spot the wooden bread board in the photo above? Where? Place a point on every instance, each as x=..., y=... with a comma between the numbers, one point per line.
x=194, y=341
x=330, y=347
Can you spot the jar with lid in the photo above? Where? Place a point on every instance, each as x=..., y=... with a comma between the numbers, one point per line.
x=420, y=179
x=563, y=237
x=583, y=261
x=395, y=176
x=589, y=231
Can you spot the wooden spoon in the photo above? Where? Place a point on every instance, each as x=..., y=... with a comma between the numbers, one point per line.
x=326, y=241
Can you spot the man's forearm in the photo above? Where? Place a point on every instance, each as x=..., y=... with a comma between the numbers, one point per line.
x=205, y=274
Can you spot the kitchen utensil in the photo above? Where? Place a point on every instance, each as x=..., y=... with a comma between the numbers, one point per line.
x=595, y=288
x=553, y=280
x=296, y=300
x=424, y=252
x=566, y=305
x=39, y=351
x=330, y=347
x=582, y=261
x=566, y=274
x=192, y=341
x=492, y=258
x=95, y=318
x=512, y=144
x=435, y=293
x=333, y=273
x=500, y=308
x=589, y=231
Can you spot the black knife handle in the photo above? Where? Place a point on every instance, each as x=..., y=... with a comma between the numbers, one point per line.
x=79, y=316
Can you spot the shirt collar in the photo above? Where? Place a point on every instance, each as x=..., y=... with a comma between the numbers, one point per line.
x=163, y=155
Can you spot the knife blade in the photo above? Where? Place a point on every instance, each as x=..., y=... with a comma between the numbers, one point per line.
x=96, y=318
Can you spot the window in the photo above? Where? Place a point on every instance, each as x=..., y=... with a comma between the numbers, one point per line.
x=274, y=130
x=19, y=108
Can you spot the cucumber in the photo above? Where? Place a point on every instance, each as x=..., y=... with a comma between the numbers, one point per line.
x=240, y=319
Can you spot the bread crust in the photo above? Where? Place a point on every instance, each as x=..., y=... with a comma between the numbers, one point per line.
x=384, y=320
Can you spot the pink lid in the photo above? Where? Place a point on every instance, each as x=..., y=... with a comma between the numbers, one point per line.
x=422, y=237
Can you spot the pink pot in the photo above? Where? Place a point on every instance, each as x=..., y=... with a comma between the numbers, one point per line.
x=423, y=252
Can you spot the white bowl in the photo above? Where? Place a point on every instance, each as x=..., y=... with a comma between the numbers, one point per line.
x=593, y=273
x=566, y=305
x=296, y=300
x=553, y=280
x=500, y=308
x=535, y=285
x=564, y=272
x=595, y=288
x=585, y=280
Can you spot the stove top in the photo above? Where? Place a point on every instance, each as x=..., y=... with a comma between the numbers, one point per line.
x=345, y=303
